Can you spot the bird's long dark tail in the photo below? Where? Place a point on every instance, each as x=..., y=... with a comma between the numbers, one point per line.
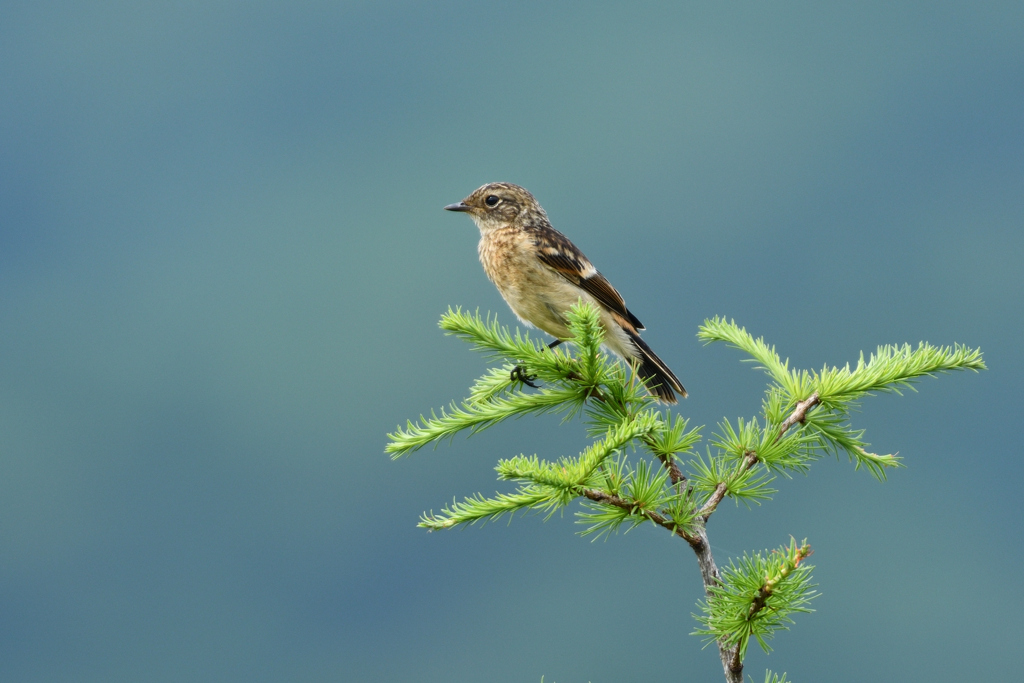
x=656, y=375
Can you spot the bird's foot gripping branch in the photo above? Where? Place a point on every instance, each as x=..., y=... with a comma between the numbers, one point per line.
x=643, y=467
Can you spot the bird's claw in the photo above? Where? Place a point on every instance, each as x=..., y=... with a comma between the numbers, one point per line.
x=519, y=375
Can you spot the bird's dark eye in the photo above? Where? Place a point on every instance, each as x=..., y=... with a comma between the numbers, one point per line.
x=491, y=200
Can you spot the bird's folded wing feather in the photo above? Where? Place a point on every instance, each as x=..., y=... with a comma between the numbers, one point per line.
x=556, y=251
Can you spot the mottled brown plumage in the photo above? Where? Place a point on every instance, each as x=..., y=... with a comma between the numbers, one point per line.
x=541, y=274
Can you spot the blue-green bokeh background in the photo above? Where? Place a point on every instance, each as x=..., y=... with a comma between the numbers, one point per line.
x=222, y=260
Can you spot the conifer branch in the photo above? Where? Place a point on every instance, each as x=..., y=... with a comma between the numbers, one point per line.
x=767, y=589
x=669, y=442
x=756, y=598
x=632, y=508
x=750, y=457
x=805, y=415
x=713, y=501
x=570, y=472
x=477, y=416
x=675, y=474
x=478, y=509
x=799, y=414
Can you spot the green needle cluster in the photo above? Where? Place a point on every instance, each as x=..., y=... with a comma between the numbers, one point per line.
x=757, y=597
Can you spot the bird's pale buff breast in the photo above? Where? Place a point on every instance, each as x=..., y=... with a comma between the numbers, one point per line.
x=536, y=294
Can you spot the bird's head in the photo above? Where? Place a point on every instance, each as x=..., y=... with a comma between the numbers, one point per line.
x=496, y=205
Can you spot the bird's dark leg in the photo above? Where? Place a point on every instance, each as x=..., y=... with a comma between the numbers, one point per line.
x=519, y=375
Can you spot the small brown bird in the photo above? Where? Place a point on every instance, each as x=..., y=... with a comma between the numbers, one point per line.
x=541, y=274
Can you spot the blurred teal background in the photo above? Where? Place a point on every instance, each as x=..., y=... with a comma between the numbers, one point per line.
x=222, y=261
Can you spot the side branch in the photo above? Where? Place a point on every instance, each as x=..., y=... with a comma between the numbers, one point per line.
x=767, y=589
x=799, y=414
x=599, y=496
x=675, y=475
x=714, y=500
x=669, y=441
x=750, y=458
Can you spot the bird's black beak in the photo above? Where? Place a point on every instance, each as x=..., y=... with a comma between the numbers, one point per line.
x=460, y=206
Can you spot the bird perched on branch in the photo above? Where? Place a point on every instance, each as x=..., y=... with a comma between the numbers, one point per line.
x=541, y=274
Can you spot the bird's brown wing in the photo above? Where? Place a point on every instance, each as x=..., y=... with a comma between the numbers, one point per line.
x=556, y=251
